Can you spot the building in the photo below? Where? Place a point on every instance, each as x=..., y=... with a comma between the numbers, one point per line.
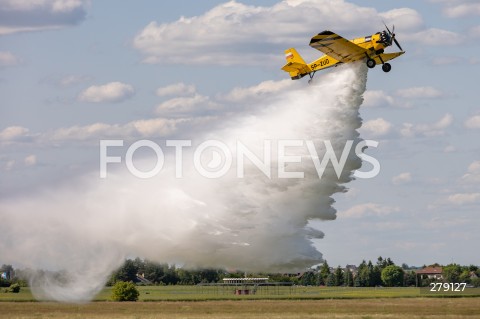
x=431, y=272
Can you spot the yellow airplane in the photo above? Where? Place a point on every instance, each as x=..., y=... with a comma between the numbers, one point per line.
x=339, y=50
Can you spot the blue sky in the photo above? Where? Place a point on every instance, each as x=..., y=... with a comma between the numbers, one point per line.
x=75, y=72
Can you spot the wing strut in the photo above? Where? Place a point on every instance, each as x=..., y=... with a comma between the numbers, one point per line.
x=311, y=75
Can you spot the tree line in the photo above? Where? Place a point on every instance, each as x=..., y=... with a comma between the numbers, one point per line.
x=384, y=272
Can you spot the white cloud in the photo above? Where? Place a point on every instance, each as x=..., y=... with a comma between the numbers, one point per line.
x=435, y=129
x=52, y=5
x=402, y=178
x=406, y=18
x=368, y=209
x=36, y=15
x=459, y=8
x=434, y=36
x=473, y=174
x=266, y=88
x=110, y=92
x=30, y=160
x=421, y=92
x=376, y=127
x=158, y=127
x=377, y=98
x=464, y=198
x=235, y=33
x=13, y=133
x=473, y=122
x=178, y=89
x=183, y=105
x=8, y=59
x=474, y=167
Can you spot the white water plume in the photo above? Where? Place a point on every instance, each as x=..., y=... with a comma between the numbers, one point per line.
x=254, y=223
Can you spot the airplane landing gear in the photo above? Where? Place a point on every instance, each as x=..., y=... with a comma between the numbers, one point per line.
x=386, y=67
x=371, y=63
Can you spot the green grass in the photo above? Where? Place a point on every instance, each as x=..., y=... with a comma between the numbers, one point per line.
x=205, y=293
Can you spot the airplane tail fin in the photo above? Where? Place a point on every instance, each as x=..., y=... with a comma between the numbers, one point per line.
x=296, y=66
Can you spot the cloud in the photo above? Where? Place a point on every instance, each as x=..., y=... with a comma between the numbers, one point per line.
x=407, y=18
x=459, y=8
x=8, y=59
x=402, y=178
x=473, y=122
x=377, y=127
x=188, y=113
x=266, y=88
x=36, y=15
x=13, y=134
x=473, y=174
x=183, y=105
x=235, y=33
x=377, y=98
x=158, y=127
x=464, y=198
x=435, y=129
x=420, y=92
x=178, y=89
x=30, y=160
x=434, y=37
x=111, y=92
x=368, y=209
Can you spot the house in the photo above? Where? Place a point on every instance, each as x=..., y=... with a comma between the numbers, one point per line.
x=430, y=272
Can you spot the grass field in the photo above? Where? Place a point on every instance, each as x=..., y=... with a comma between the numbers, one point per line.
x=336, y=308
x=207, y=293
x=283, y=302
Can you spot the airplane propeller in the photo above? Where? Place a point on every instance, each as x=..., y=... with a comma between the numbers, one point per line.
x=392, y=34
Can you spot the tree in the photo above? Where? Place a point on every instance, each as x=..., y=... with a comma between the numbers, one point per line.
x=363, y=276
x=475, y=282
x=451, y=273
x=376, y=276
x=348, y=278
x=410, y=278
x=127, y=272
x=339, y=277
x=324, y=272
x=308, y=279
x=465, y=276
x=153, y=271
x=330, y=280
x=125, y=291
x=392, y=276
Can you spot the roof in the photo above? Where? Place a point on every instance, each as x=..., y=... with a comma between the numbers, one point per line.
x=430, y=271
x=245, y=279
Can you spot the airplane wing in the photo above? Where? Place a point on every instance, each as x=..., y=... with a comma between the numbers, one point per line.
x=387, y=56
x=337, y=47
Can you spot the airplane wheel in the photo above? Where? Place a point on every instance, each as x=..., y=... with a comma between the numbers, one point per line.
x=386, y=67
x=371, y=63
